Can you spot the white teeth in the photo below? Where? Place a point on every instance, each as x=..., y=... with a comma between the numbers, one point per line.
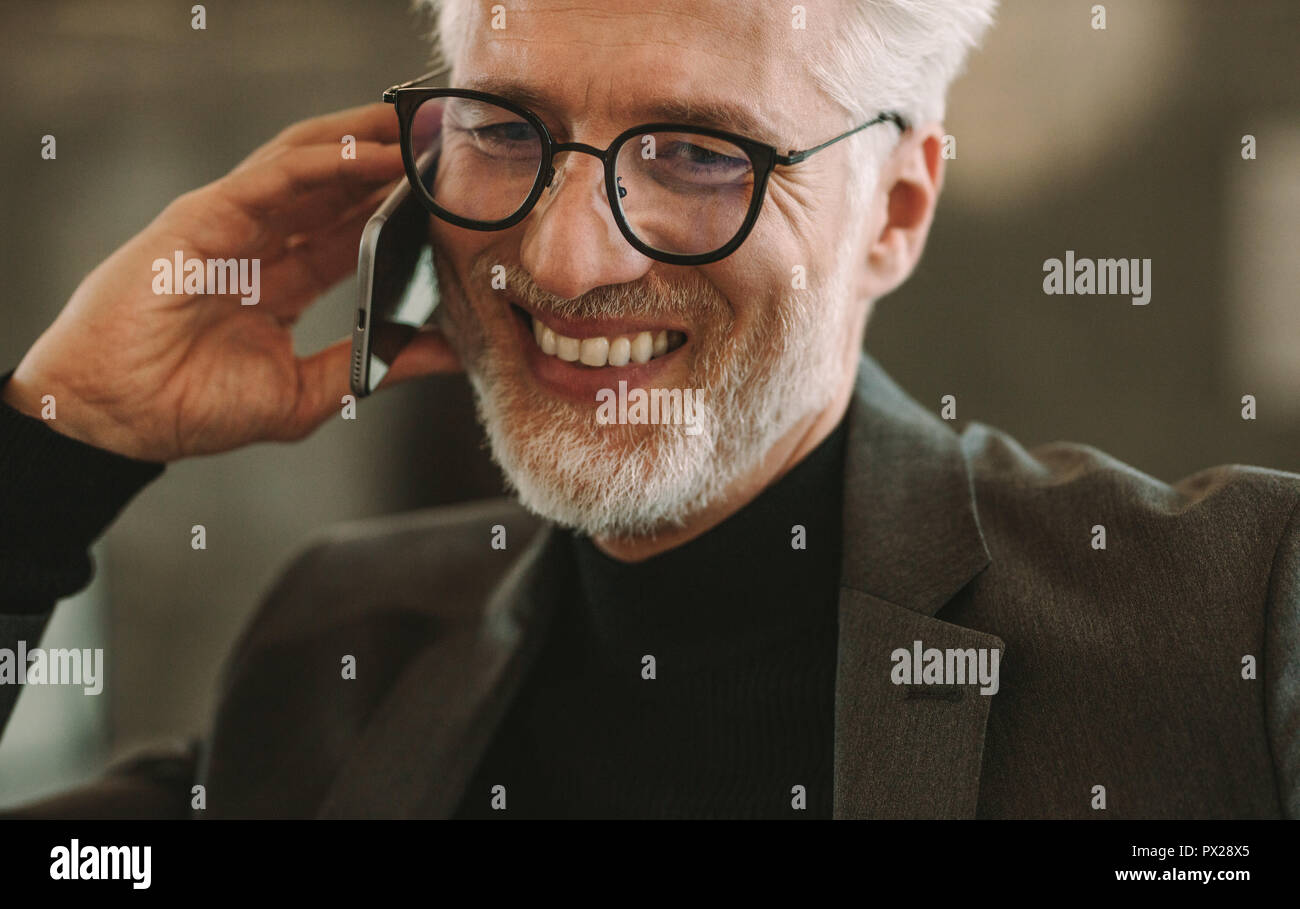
x=567, y=349
x=642, y=348
x=620, y=351
x=600, y=351
x=594, y=351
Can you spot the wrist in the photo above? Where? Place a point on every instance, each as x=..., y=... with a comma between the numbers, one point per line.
x=17, y=395
x=60, y=411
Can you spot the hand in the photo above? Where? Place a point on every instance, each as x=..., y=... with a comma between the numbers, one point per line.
x=162, y=377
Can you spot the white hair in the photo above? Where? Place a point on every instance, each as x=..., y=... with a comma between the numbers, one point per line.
x=898, y=55
x=901, y=55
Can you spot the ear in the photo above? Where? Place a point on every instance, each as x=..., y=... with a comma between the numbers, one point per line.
x=903, y=207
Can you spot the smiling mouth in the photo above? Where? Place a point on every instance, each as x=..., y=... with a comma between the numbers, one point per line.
x=598, y=351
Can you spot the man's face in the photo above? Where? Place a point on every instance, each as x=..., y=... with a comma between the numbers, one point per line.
x=769, y=333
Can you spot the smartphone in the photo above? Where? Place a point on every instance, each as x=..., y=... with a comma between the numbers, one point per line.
x=397, y=284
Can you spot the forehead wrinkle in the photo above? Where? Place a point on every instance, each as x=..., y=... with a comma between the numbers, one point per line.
x=729, y=22
x=763, y=69
x=704, y=111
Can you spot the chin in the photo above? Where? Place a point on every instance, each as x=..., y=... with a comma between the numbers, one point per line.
x=624, y=481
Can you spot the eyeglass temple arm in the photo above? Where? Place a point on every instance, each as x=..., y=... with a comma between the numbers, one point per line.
x=390, y=93
x=886, y=117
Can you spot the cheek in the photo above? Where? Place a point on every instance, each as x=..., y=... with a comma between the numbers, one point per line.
x=458, y=251
x=758, y=278
x=456, y=247
x=809, y=229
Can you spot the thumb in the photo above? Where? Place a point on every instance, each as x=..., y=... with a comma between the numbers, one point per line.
x=427, y=353
x=323, y=377
x=322, y=383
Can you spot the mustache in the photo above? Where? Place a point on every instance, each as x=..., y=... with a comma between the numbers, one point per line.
x=650, y=297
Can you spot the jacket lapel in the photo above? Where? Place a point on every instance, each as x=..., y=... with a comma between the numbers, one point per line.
x=425, y=740
x=911, y=541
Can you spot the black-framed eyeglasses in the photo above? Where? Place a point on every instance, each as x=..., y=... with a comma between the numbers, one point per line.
x=685, y=195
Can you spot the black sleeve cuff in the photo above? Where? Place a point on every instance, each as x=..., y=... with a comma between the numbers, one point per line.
x=57, y=495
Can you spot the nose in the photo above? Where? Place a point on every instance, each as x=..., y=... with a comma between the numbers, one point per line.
x=571, y=243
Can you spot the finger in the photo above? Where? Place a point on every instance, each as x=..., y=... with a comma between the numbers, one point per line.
x=427, y=354
x=324, y=377
x=282, y=180
x=292, y=272
x=362, y=209
x=311, y=264
x=323, y=380
x=369, y=122
x=317, y=212
x=252, y=213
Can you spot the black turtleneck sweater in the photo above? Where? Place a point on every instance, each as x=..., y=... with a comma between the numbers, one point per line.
x=742, y=628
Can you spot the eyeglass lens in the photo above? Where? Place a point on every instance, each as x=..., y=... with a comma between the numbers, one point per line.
x=679, y=192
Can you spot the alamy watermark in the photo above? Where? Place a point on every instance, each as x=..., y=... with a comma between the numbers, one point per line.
x=674, y=406
x=201, y=277
x=954, y=666
x=75, y=862
x=59, y=666
x=1099, y=276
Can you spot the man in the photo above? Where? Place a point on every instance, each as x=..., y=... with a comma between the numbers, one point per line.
x=815, y=600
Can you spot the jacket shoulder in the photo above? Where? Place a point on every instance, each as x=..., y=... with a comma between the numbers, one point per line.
x=1062, y=490
x=1073, y=525
x=439, y=563
x=1137, y=651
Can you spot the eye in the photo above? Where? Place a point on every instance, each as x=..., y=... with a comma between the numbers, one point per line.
x=697, y=154
x=490, y=130
x=698, y=162
x=504, y=132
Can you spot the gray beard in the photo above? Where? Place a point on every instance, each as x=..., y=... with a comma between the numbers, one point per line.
x=636, y=481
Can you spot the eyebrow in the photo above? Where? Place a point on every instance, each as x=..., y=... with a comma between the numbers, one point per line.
x=694, y=112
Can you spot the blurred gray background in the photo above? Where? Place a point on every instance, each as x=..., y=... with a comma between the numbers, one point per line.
x=1117, y=143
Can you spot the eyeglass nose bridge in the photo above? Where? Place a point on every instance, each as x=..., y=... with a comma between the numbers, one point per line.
x=580, y=147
